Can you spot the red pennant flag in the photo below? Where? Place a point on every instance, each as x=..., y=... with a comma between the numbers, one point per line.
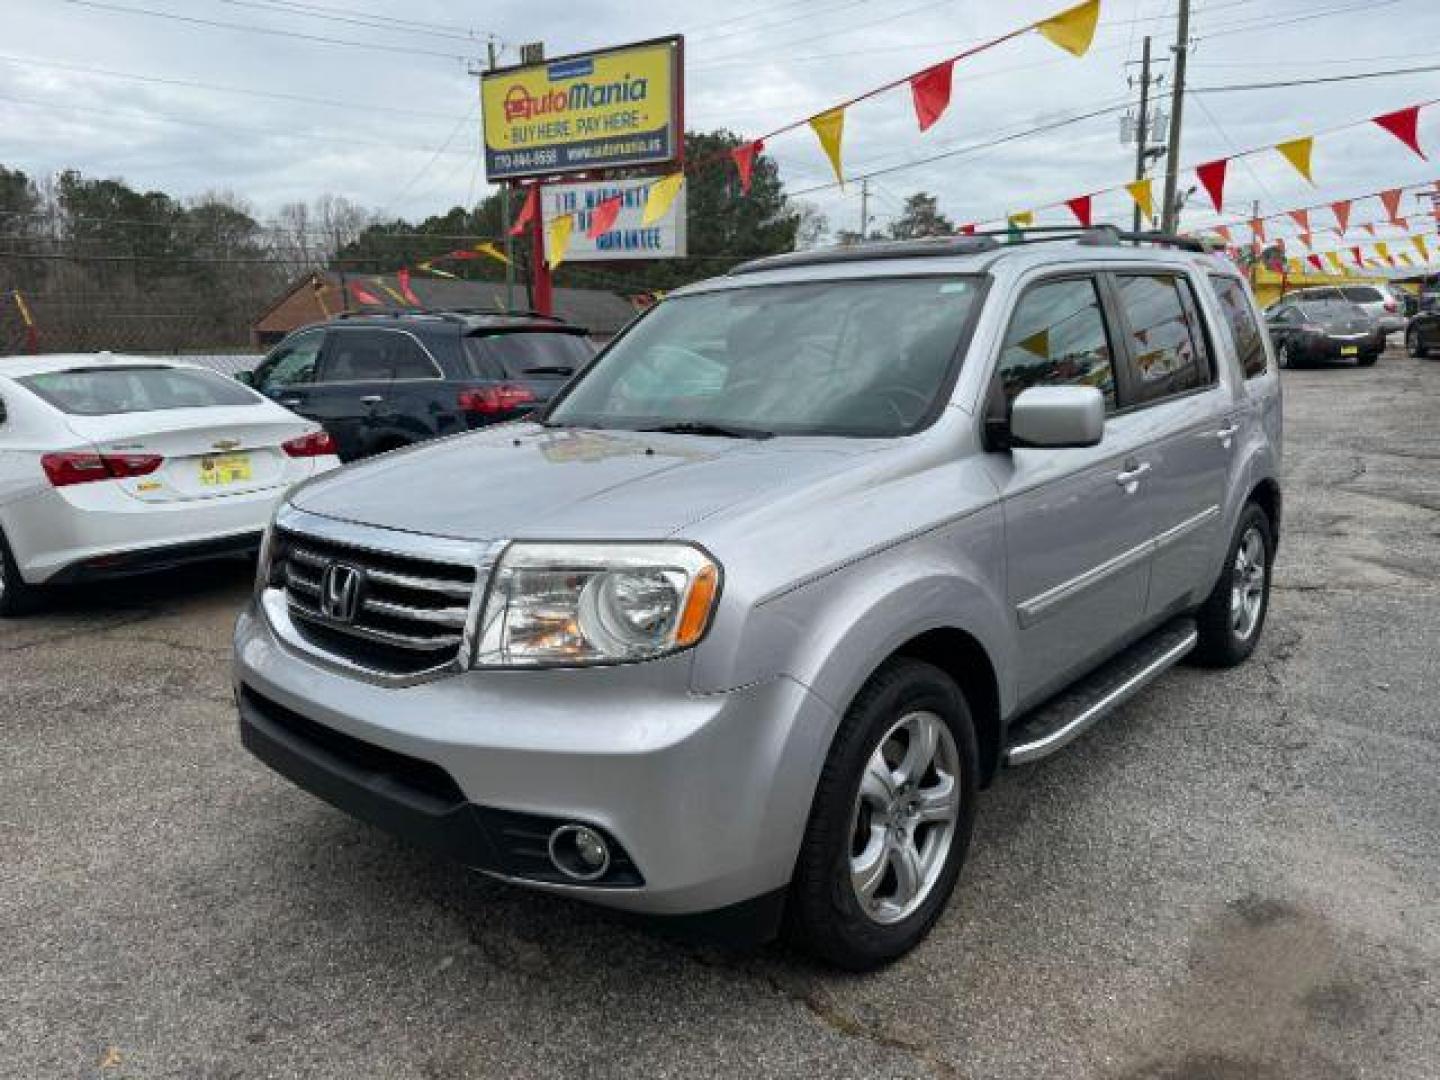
x=1314, y=260
x=527, y=212
x=602, y=218
x=969, y=230
x=1404, y=125
x=1301, y=218
x=1080, y=207
x=1358, y=257
x=931, y=91
x=1257, y=229
x=402, y=278
x=363, y=296
x=1226, y=235
x=1391, y=201
x=1403, y=222
x=1305, y=239
x=744, y=158
x=1342, y=214
x=1212, y=179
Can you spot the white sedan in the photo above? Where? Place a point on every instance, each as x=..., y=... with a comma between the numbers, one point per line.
x=114, y=465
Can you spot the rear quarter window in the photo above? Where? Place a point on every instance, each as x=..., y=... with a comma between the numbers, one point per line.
x=1362, y=294
x=114, y=390
x=522, y=353
x=1244, y=329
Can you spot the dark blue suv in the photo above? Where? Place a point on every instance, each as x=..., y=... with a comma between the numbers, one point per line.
x=379, y=382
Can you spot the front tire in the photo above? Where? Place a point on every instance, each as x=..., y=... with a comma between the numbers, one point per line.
x=891, y=820
x=17, y=596
x=1233, y=615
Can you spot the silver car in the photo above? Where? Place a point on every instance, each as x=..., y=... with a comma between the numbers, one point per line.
x=734, y=632
x=1379, y=301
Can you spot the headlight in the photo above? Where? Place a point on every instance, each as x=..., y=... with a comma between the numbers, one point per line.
x=571, y=604
x=267, y=555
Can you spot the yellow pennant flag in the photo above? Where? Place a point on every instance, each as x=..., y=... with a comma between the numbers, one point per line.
x=662, y=194
x=828, y=128
x=1022, y=219
x=1419, y=242
x=1037, y=344
x=1297, y=152
x=1294, y=265
x=487, y=248
x=1405, y=260
x=1143, y=196
x=1074, y=28
x=557, y=243
x=390, y=292
x=1383, y=250
x=1333, y=257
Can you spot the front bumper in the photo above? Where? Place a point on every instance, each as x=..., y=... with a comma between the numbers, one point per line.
x=705, y=795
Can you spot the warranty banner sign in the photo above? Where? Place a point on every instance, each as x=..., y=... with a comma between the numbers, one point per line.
x=601, y=110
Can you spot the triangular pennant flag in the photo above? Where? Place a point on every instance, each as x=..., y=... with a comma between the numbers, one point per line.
x=1022, y=219
x=1212, y=179
x=1037, y=344
x=1391, y=201
x=1302, y=219
x=558, y=240
x=662, y=194
x=1333, y=257
x=1405, y=259
x=1080, y=207
x=1297, y=152
x=433, y=270
x=1404, y=125
x=1402, y=222
x=1359, y=258
x=485, y=247
x=528, y=210
x=1369, y=227
x=1074, y=28
x=602, y=217
x=388, y=291
x=1341, y=210
x=744, y=158
x=1419, y=242
x=931, y=93
x=966, y=230
x=829, y=128
x=1314, y=260
x=1140, y=192
x=1306, y=239
x=1223, y=231
x=1257, y=229
x=402, y=277
x=365, y=297
x=1383, y=250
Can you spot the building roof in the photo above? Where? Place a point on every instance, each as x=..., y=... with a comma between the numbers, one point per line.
x=601, y=313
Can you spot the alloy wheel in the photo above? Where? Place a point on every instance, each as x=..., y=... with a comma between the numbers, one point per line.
x=1247, y=584
x=905, y=817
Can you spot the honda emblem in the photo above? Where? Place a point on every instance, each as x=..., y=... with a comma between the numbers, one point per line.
x=340, y=591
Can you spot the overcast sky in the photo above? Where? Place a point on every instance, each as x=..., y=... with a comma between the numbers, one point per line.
x=401, y=132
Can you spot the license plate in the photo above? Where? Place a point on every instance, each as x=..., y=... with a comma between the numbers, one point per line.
x=1349, y=350
x=217, y=470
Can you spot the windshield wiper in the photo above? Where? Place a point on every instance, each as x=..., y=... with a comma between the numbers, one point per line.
x=554, y=369
x=705, y=427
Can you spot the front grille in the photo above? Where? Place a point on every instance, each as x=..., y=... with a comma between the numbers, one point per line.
x=410, y=615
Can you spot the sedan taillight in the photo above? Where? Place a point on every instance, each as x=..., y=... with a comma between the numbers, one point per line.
x=493, y=400
x=316, y=444
x=78, y=467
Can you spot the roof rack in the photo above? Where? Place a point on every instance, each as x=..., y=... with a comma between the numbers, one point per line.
x=454, y=314
x=974, y=243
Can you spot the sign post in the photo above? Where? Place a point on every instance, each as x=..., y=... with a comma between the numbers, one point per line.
x=588, y=113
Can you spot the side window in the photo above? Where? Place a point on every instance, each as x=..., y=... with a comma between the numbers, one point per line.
x=1283, y=316
x=1057, y=337
x=291, y=364
x=1244, y=330
x=1166, y=343
x=374, y=356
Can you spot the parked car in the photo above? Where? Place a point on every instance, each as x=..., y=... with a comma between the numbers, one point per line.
x=744, y=620
x=1311, y=331
x=1380, y=301
x=380, y=382
x=112, y=465
x=1422, y=336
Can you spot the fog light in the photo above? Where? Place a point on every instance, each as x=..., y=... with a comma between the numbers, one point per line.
x=579, y=852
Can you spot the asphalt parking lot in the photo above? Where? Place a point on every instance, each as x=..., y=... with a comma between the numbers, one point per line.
x=1237, y=877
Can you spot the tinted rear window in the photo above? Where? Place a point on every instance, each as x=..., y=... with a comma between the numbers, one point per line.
x=1362, y=294
x=111, y=390
x=1249, y=345
x=518, y=354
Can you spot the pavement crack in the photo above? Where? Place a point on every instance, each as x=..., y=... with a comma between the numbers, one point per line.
x=83, y=632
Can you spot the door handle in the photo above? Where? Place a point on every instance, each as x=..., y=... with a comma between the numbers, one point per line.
x=291, y=402
x=1227, y=433
x=371, y=399
x=1130, y=478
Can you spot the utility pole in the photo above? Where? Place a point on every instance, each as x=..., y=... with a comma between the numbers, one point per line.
x=1170, y=213
x=1142, y=127
x=505, y=219
x=864, y=209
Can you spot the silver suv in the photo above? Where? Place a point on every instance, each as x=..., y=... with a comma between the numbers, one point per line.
x=736, y=630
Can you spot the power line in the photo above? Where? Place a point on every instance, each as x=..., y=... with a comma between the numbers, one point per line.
x=293, y=35
x=370, y=22
x=1313, y=82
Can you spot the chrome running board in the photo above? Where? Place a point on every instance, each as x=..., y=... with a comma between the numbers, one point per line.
x=1066, y=717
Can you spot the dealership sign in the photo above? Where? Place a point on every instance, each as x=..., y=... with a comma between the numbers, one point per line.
x=628, y=237
x=601, y=110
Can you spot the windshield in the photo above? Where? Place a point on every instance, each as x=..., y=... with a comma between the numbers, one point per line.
x=518, y=353
x=1331, y=309
x=866, y=358
x=110, y=390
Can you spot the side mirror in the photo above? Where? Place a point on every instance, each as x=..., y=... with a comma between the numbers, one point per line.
x=1058, y=416
x=246, y=377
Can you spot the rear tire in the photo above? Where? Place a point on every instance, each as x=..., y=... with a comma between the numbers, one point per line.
x=888, y=832
x=1233, y=616
x=1413, y=348
x=1368, y=360
x=17, y=596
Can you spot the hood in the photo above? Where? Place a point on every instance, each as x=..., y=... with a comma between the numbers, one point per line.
x=527, y=481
